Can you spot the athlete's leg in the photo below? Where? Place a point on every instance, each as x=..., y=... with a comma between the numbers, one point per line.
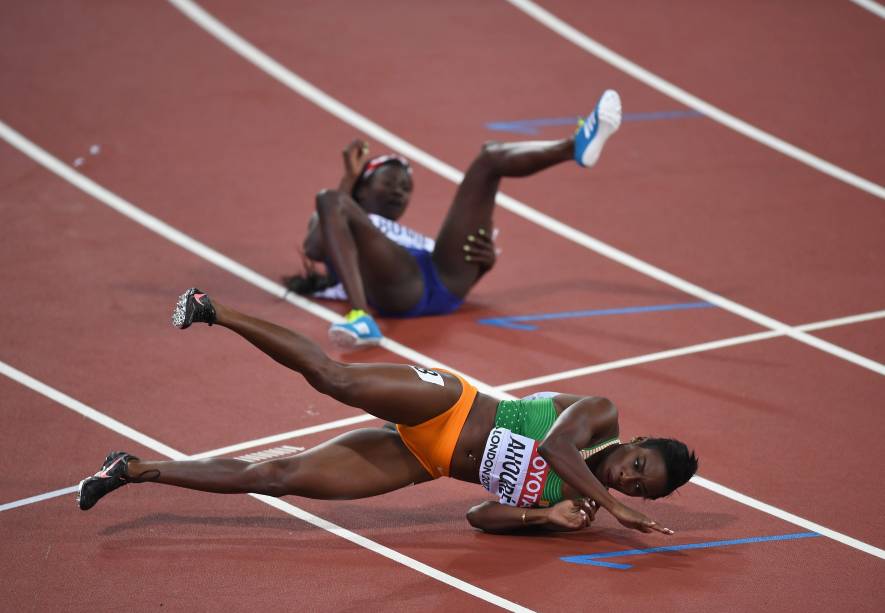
x=358, y=464
x=389, y=391
x=369, y=265
x=474, y=201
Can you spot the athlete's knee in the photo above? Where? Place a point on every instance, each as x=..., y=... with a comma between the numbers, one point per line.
x=327, y=202
x=488, y=160
x=275, y=477
x=333, y=379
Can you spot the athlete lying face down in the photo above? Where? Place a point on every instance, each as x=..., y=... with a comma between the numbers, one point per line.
x=549, y=459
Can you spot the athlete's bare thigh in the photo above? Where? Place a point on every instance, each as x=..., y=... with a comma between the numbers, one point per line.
x=358, y=464
x=407, y=395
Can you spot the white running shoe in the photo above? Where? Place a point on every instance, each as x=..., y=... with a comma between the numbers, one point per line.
x=597, y=128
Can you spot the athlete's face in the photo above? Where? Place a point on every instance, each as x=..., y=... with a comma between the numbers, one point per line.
x=635, y=471
x=387, y=192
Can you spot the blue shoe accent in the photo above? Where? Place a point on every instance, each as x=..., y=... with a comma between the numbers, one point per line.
x=586, y=133
x=361, y=332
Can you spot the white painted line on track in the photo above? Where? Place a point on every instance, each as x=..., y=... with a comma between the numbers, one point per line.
x=642, y=359
x=873, y=7
x=309, y=91
x=199, y=249
x=88, y=412
x=146, y=441
x=319, y=522
x=391, y=554
x=224, y=262
x=284, y=436
x=639, y=73
x=577, y=372
x=787, y=516
x=38, y=498
x=672, y=353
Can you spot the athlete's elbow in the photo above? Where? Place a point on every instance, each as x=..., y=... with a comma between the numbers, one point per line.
x=550, y=449
x=474, y=517
x=477, y=516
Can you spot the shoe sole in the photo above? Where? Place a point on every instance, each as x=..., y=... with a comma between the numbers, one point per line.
x=609, y=109
x=179, y=313
x=349, y=340
x=80, y=495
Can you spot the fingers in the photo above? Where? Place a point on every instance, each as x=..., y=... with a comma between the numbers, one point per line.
x=478, y=251
x=355, y=152
x=654, y=526
x=590, y=508
x=480, y=248
x=357, y=144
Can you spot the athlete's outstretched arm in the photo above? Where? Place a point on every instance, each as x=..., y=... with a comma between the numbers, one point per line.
x=497, y=518
x=574, y=429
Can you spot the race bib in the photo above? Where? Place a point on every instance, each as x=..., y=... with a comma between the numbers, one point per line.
x=512, y=468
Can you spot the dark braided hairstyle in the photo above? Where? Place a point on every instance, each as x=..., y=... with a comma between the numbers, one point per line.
x=681, y=464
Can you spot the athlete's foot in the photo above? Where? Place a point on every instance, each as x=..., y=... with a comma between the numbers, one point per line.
x=597, y=128
x=193, y=306
x=360, y=330
x=111, y=476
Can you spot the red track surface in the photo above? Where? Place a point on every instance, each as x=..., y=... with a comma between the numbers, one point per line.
x=203, y=140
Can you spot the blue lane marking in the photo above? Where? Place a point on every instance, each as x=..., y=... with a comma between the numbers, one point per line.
x=594, y=558
x=531, y=126
x=510, y=322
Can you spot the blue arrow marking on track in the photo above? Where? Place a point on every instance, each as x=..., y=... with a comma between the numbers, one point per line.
x=531, y=126
x=510, y=322
x=594, y=558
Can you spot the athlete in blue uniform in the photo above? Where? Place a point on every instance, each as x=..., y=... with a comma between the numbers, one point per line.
x=395, y=270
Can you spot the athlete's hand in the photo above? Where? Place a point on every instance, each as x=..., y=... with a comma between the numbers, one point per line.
x=355, y=155
x=637, y=521
x=571, y=515
x=480, y=249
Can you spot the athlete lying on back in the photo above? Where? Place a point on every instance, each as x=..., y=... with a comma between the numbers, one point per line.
x=399, y=272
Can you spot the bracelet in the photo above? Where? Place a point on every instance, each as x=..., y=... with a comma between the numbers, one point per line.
x=523, y=517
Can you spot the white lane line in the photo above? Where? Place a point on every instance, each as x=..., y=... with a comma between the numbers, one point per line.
x=73, y=404
x=88, y=412
x=211, y=255
x=275, y=438
x=787, y=516
x=112, y=424
x=874, y=8
x=672, y=353
x=392, y=554
x=197, y=248
x=153, y=444
x=38, y=498
x=642, y=359
x=639, y=73
x=303, y=88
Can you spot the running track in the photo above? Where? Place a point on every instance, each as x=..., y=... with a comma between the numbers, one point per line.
x=201, y=139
